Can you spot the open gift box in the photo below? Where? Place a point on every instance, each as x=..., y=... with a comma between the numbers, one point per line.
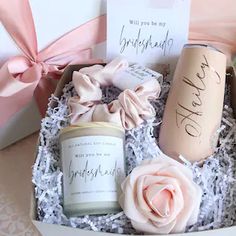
x=52, y=229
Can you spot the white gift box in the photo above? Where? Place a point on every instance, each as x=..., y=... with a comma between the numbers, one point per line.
x=52, y=19
x=59, y=230
x=51, y=22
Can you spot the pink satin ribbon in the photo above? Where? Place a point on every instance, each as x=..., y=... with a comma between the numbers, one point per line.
x=26, y=75
x=214, y=22
x=130, y=109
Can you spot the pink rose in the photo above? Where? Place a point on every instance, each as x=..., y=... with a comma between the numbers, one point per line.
x=160, y=197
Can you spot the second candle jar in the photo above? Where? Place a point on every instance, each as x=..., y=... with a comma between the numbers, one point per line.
x=194, y=106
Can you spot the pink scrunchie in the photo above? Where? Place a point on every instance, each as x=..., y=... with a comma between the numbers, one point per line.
x=130, y=109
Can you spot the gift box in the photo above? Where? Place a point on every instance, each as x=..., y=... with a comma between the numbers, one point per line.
x=28, y=109
x=52, y=229
x=30, y=113
x=38, y=41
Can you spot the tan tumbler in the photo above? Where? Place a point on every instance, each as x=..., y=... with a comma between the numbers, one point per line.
x=194, y=106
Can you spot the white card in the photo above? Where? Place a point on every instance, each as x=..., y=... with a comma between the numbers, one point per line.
x=148, y=32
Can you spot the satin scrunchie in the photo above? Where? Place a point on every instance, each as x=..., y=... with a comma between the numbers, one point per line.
x=130, y=109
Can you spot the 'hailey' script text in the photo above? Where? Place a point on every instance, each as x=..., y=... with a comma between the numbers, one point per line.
x=187, y=116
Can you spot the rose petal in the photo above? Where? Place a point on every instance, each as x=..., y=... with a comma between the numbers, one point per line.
x=160, y=199
x=128, y=202
x=156, y=178
x=189, y=214
x=151, y=228
x=177, y=193
x=142, y=204
x=143, y=182
x=184, y=171
x=143, y=170
x=191, y=197
x=166, y=161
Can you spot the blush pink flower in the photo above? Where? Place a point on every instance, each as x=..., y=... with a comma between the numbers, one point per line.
x=160, y=197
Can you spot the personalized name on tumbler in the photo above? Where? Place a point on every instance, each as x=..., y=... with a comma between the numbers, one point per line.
x=194, y=105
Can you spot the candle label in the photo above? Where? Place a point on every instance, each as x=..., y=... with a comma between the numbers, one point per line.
x=93, y=168
x=134, y=76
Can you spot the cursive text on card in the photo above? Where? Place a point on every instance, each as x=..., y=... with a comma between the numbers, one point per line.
x=142, y=43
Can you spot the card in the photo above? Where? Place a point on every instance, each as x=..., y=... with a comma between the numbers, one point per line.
x=148, y=32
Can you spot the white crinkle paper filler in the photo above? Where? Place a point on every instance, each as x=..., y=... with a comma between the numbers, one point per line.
x=216, y=176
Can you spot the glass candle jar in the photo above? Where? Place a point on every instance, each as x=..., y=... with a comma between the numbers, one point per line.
x=93, y=166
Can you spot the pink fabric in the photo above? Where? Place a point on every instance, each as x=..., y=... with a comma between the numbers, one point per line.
x=214, y=22
x=129, y=110
x=160, y=197
x=25, y=76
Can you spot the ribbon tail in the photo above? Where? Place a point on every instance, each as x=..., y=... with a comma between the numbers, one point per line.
x=16, y=17
x=14, y=94
x=10, y=85
x=44, y=90
x=79, y=39
x=9, y=106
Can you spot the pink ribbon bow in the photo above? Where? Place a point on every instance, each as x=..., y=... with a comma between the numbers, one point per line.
x=24, y=76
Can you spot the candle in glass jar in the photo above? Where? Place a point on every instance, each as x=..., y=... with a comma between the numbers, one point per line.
x=195, y=102
x=93, y=166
